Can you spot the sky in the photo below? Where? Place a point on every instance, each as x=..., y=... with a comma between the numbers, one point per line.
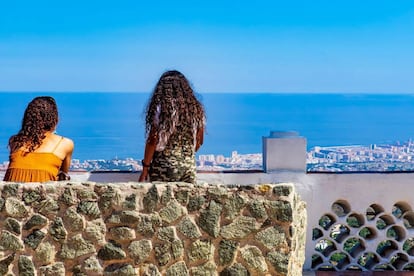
x=318, y=46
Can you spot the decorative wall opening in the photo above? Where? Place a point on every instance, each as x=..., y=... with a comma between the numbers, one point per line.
x=377, y=240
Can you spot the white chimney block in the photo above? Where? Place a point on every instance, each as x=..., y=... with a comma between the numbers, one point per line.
x=284, y=151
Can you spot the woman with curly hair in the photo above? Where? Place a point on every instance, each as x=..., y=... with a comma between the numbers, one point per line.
x=37, y=154
x=175, y=122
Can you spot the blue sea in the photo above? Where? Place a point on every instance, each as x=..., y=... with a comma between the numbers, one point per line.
x=111, y=125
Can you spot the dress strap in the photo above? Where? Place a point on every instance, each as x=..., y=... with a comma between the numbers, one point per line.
x=57, y=144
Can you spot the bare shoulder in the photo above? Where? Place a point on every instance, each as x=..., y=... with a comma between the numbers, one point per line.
x=67, y=144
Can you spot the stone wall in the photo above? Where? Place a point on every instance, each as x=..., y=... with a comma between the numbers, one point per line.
x=150, y=229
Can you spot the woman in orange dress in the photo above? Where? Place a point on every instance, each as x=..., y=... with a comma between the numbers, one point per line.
x=37, y=154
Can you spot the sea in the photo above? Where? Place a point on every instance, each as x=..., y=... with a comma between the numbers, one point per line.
x=111, y=125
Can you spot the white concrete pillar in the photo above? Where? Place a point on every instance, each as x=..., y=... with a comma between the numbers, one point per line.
x=284, y=151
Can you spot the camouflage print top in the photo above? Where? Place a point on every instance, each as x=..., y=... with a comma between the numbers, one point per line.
x=176, y=162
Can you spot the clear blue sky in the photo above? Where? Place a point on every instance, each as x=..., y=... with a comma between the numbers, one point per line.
x=222, y=46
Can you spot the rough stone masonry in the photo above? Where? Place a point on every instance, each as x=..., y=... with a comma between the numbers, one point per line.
x=150, y=229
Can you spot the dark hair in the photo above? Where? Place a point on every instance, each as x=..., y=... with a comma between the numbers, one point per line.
x=173, y=101
x=40, y=116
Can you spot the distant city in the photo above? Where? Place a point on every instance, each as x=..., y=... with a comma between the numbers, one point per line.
x=385, y=157
x=208, y=162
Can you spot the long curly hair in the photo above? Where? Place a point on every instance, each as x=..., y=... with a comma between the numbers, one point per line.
x=173, y=102
x=40, y=116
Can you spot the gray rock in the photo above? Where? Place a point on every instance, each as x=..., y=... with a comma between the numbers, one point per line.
x=145, y=226
x=12, y=225
x=8, y=241
x=272, y=237
x=130, y=217
x=209, y=219
x=34, y=239
x=69, y=196
x=89, y=208
x=92, y=266
x=76, y=246
x=151, y=199
x=257, y=209
x=77, y=271
x=50, y=189
x=122, y=233
x=188, y=228
x=282, y=190
x=156, y=219
x=56, y=269
x=227, y=251
x=218, y=194
x=162, y=254
x=167, y=234
x=15, y=208
x=74, y=220
x=120, y=270
x=279, y=261
x=177, y=269
x=201, y=251
x=95, y=231
x=111, y=251
x=45, y=253
x=207, y=269
x=130, y=202
x=10, y=190
x=31, y=196
x=48, y=207
x=5, y=264
x=177, y=249
x=254, y=258
x=107, y=198
x=150, y=270
x=2, y=202
x=171, y=212
x=166, y=195
x=195, y=203
x=235, y=270
x=280, y=210
x=125, y=217
x=239, y=228
x=233, y=206
x=26, y=266
x=36, y=221
x=87, y=195
x=57, y=230
x=182, y=196
x=140, y=250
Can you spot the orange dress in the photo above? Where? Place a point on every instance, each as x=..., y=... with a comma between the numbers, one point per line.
x=33, y=166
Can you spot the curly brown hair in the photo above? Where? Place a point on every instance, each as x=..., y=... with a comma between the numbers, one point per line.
x=173, y=101
x=40, y=116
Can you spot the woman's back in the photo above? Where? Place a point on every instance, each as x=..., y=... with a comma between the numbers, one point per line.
x=41, y=165
x=174, y=124
x=177, y=161
x=37, y=154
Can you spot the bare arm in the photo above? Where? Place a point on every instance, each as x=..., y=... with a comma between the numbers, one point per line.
x=150, y=146
x=68, y=148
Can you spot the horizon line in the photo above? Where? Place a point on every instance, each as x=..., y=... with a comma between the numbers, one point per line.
x=218, y=92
